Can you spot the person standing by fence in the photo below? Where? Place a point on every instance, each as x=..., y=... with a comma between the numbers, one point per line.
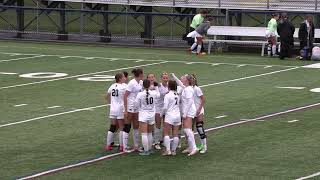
x=196, y=21
x=306, y=37
x=271, y=34
x=286, y=31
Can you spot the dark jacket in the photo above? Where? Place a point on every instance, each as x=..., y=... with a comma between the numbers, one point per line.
x=303, y=35
x=203, y=28
x=286, y=31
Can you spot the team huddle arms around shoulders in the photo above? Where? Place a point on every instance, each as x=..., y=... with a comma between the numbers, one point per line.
x=160, y=114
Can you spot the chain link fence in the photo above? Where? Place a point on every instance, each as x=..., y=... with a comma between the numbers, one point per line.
x=88, y=22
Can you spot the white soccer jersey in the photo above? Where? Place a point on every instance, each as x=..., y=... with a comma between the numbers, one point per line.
x=145, y=102
x=187, y=100
x=163, y=91
x=116, y=92
x=172, y=108
x=197, y=94
x=134, y=88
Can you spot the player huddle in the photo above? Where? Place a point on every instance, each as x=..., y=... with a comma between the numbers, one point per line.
x=156, y=111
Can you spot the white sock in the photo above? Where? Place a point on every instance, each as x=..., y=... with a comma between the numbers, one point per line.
x=136, y=138
x=175, y=143
x=204, y=141
x=191, y=141
x=125, y=137
x=145, y=141
x=193, y=46
x=198, y=48
x=110, y=137
x=166, y=142
x=269, y=50
x=157, y=135
x=150, y=140
x=274, y=49
x=120, y=138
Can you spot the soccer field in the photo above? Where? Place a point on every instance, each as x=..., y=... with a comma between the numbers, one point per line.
x=262, y=114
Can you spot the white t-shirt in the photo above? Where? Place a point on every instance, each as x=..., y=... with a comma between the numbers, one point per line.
x=116, y=92
x=163, y=91
x=146, y=101
x=197, y=94
x=134, y=88
x=187, y=100
x=172, y=105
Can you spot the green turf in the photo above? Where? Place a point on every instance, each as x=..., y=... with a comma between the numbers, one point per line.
x=272, y=149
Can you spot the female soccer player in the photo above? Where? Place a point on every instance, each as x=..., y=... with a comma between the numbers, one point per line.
x=130, y=111
x=163, y=90
x=115, y=98
x=188, y=110
x=145, y=101
x=172, y=119
x=271, y=34
x=199, y=102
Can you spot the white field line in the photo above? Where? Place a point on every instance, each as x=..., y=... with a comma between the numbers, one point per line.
x=44, y=173
x=52, y=115
x=8, y=73
x=113, y=51
x=19, y=105
x=222, y=116
x=249, y=77
x=17, y=59
x=310, y=176
x=296, y=88
x=53, y=107
x=153, y=60
x=213, y=84
x=80, y=75
x=292, y=121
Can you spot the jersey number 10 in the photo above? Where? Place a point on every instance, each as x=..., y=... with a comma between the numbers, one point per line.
x=115, y=92
x=149, y=100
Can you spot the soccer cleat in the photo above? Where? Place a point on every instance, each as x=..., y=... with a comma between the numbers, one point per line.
x=120, y=148
x=203, y=150
x=186, y=151
x=193, y=152
x=108, y=147
x=200, y=147
x=138, y=149
x=166, y=153
x=173, y=153
x=157, y=146
x=144, y=153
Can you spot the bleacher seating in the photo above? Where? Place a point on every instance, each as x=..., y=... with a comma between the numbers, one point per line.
x=255, y=34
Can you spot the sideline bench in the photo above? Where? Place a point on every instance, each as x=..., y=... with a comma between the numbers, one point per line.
x=258, y=33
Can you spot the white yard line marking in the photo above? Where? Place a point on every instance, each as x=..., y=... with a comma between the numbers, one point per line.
x=80, y=75
x=241, y=65
x=267, y=67
x=73, y=165
x=215, y=64
x=222, y=116
x=8, y=73
x=52, y=115
x=152, y=60
x=53, y=107
x=297, y=88
x=19, y=105
x=17, y=59
x=292, y=121
x=213, y=84
x=249, y=77
x=310, y=176
x=44, y=173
